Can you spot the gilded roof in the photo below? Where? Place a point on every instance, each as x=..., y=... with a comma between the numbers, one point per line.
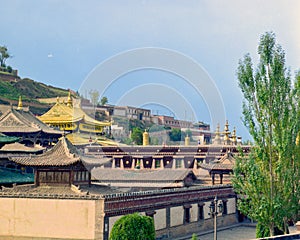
x=66, y=113
x=23, y=121
x=85, y=139
x=62, y=154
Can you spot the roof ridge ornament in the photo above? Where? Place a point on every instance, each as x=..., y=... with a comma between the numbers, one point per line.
x=20, y=104
x=69, y=101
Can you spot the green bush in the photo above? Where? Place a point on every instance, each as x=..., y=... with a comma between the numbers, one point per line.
x=133, y=227
x=194, y=236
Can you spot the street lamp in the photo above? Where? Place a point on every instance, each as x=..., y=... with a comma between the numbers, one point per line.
x=215, y=209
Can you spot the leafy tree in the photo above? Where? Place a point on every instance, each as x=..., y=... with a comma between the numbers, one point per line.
x=4, y=55
x=268, y=179
x=103, y=100
x=94, y=96
x=137, y=135
x=188, y=133
x=175, y=134
x=133, y=227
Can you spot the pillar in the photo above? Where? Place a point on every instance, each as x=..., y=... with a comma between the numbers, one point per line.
x=221, y=178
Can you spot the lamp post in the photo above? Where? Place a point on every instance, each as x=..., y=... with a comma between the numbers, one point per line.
x=215, y=209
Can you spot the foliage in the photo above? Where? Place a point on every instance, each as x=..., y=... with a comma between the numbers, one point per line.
x=104, y=100
x=268, y=179
x=137, y=135
x=94, y=96
x=4, y=55
x=175, y=134
x=188, y=133
x=194, y=236
x=133, y=227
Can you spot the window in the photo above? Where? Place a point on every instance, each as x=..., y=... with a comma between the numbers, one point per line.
x=187, y=214
x=224, y=202
x=200, y=211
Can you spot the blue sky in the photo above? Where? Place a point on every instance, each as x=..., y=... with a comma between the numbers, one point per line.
x=61, y=42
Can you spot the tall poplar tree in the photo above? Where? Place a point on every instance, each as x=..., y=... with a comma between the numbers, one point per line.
x=267, y=180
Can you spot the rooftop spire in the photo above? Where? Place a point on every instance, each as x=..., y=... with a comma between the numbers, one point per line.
x=69, y=101
x=20, y=104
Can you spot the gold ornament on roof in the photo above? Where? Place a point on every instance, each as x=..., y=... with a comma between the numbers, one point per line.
x=20, y=104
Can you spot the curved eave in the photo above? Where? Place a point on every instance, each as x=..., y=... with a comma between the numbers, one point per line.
x=36, y=162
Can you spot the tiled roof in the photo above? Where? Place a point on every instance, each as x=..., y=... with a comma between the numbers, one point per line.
x=226, y=163
x=15, y=176
x=18, y=147
x=107, y=174
x=23, y=121
x=61, y=192
x=62, y=113
x=7, y=139
x=62, y=154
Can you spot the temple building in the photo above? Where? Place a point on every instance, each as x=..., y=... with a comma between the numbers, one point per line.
x=21, y=123
x=63, y=202
x=72, y=119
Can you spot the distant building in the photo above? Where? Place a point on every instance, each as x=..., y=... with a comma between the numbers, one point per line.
x=132, y=113
x=168, y=121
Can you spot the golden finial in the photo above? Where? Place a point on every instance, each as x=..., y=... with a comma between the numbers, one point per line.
x=145, y=138
x=226, y=131
x=69, y=101
x=233, y=137
x=57, y=99
x=20, y=104
x=217, y=135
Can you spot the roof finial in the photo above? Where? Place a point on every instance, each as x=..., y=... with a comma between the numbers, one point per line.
x=226, y=132
x=20, y=104
x=69, y=101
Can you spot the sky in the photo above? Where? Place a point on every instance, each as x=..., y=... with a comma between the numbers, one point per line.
x=64, y=43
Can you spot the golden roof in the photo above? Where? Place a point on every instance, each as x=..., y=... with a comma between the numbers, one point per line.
x=85, y=139
x=67, y=113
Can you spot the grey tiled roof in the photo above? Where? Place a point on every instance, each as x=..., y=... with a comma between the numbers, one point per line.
x=23, y=121
x=110, y=174
x=62, y=154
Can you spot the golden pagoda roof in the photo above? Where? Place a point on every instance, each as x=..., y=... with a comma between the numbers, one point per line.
x=67, y=113
x=85, y=139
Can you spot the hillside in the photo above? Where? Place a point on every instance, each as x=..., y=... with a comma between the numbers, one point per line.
x=30, y=91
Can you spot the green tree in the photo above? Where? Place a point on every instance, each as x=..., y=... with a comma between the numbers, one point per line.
x=137, y=135
x=133, y=227
x=175, y=134
x=268, y=179
x=4, y=55
x=103, y=100
x=94, y=96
